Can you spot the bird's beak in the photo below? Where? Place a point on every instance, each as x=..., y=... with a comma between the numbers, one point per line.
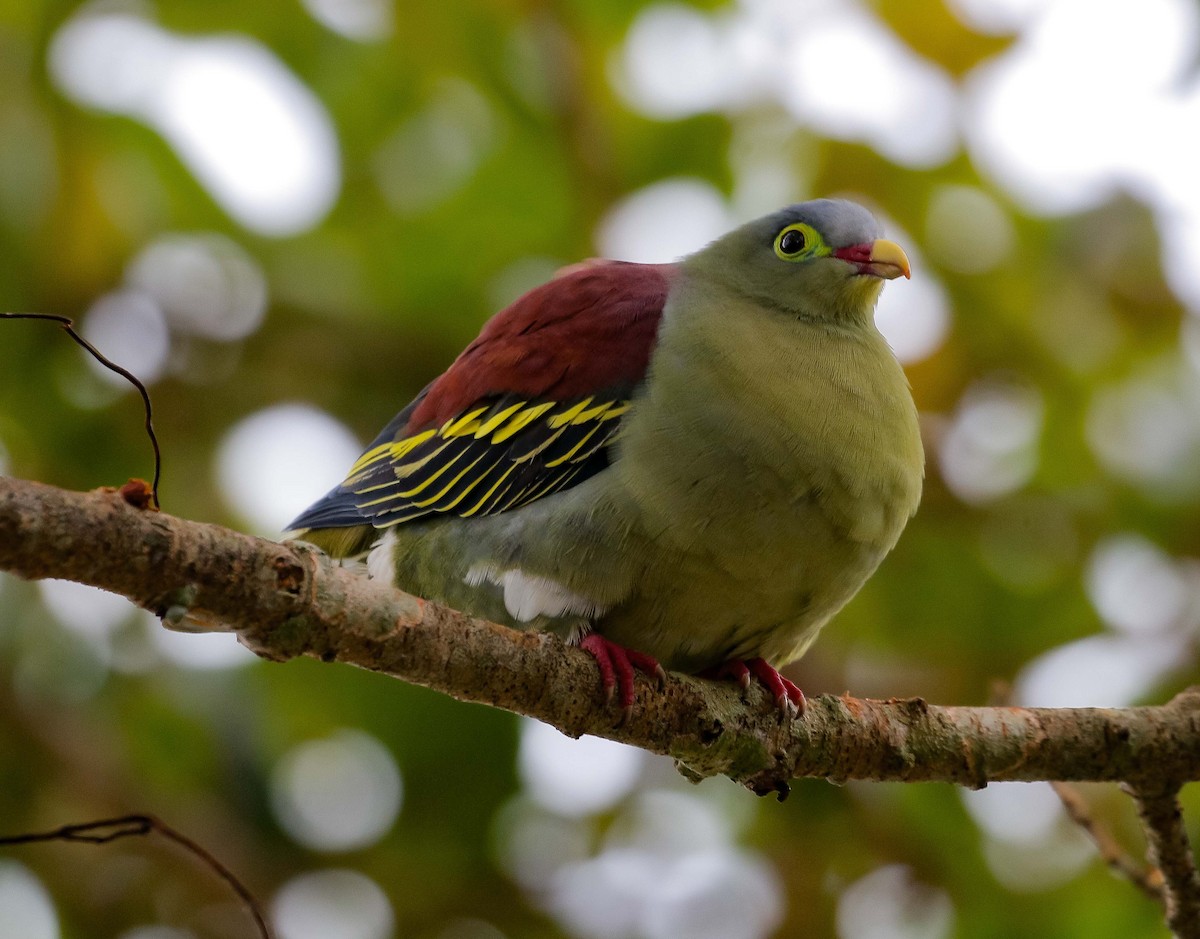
x=890, y=257
x=880, y=258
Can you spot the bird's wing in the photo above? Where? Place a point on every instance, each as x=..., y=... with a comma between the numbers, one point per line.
x=528, y=409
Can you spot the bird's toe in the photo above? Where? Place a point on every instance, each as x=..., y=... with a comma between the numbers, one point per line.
x=617, y=665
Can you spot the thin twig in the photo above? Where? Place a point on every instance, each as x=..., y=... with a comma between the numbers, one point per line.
x=68, y=326
x=111, y=829
x=1167, y=849
x=1148, y=880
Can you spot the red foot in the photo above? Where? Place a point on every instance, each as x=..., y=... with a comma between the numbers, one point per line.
x=788, y=697
x=616, y=664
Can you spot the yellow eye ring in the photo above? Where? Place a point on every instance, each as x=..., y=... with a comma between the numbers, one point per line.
x=796, y=242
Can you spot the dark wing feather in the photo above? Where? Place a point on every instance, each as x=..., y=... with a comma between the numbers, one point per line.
x=495, y=457
x=530, y=408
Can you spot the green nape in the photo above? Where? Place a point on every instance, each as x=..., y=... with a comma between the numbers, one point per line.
x=346, y=542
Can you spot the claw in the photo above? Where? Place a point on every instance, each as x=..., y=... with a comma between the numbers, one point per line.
x=617, y=665
x=647, y=665
x=789, y=699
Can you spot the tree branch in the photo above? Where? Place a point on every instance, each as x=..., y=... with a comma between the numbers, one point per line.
x=1168, y=850
x=287, y=600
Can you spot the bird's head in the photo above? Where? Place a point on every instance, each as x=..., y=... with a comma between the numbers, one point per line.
x=822, y=259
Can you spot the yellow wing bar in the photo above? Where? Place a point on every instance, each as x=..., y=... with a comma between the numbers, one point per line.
x=489, y=459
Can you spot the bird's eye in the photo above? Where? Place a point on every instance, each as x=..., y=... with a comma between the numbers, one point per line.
x=792, y=242
x=796, y=242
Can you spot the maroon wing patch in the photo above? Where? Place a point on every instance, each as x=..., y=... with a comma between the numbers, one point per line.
x=590, y=329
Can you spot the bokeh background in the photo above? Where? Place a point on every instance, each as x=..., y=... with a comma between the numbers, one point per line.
x=287, y=216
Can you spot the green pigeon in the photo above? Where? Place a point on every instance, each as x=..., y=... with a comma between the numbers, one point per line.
x=691, y=465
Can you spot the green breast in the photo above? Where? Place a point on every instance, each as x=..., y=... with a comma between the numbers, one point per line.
x=772, y=464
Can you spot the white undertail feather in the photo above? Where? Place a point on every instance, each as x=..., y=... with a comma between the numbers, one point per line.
x=381, y=562
x=527, y=596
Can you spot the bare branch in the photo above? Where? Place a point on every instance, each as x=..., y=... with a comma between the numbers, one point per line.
x=112, y=829
x=287, y=600
x=1147, y=880
x=1167, y=848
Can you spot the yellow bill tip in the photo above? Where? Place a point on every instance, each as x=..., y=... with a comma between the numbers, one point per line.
x=890, y=258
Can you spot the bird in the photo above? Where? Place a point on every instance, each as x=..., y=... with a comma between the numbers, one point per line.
x=688, y=466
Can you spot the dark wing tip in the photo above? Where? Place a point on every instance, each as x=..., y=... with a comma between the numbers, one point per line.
x=337, y=509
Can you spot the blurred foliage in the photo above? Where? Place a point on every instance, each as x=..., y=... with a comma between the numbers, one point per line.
x=370, y=304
